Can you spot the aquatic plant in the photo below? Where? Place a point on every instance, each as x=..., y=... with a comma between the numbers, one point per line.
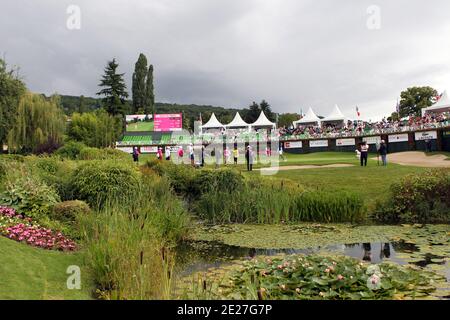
x=315, y=277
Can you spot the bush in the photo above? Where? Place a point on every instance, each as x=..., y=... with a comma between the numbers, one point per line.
x=53, y=172
x=98, y=182
x=29, y=196
x=180, y=177
x=68, y=211
x=70, y=150
x=102, y=154
x=417, y=198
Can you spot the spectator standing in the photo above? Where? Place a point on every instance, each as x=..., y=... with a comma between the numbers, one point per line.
x=280, y=151
x=382, y=151
x=135, y=154
x=191, y=154
x=203, y=156
x=218, y=155
x=364, y=153
x=159, y=154
x=235, y=155
x=167, y=153
x=180, y=154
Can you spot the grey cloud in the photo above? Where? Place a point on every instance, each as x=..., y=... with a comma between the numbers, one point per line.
x=293, y=53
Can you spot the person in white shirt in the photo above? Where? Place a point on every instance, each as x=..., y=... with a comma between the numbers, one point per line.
x=364, y=153
x=167, y=153
x=191, y=154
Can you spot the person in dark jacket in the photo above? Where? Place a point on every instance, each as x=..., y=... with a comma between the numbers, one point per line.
x=135, y=154
x=382, y=151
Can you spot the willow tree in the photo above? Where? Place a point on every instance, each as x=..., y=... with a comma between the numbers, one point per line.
x=38, y=126
x=11, y=89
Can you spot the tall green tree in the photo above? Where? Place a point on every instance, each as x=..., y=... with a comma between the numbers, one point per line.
x=253, y=113
x=414, y=99
x=95, y=129
x=39, y=125
x=114, y=90
x=138, y=86
x=286, y=119
x=149, y=93
x=11, y=89
x=142, y=87
x=82, y=105
x=265, y=106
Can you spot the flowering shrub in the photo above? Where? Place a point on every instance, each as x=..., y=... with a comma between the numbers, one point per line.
x=18, y=228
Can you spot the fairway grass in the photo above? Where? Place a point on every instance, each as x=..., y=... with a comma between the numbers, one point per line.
x=33, y=273
x=140, y=126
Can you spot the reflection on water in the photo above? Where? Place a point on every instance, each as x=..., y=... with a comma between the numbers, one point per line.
x=201, y=255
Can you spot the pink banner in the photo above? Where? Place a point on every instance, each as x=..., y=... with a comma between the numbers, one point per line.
x=168, y=122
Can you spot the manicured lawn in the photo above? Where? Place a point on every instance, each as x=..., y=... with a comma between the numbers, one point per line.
x=140, y=126
x=370, y=182
x=32, y=273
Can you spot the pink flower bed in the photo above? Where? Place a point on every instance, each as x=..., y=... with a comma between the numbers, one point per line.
x=24, y=230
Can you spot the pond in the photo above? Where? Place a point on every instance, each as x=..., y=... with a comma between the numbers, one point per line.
x=198, y=256
x=427, y=247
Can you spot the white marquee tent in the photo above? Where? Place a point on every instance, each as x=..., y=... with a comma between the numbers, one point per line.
x=212, y=123
x=237, y=122
x=309, y=118
x=263, y=122
x=335, y=116
x=441, y=106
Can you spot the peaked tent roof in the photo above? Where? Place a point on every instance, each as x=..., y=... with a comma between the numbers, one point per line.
x=212, y=123
x=335, y=115
x=237, y=122
x=309, y=117
x=262, y=121
x=443, y=103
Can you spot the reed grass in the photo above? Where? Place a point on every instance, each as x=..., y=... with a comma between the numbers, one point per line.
x=129, y=242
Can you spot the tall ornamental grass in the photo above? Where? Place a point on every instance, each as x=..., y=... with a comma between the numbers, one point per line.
x=129, y=242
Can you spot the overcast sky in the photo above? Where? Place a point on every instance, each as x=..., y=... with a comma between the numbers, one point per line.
x=293, y=53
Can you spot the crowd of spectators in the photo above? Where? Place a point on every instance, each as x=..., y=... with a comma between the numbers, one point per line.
x=360, y=128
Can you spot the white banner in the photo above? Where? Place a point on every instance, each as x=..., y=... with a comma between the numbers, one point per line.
x=126, y=149
x=426, y=135
x=318, y=143
x=372, y=140
x=149, y=149
x=398, y=138
x=293, y=144
x=345, y=142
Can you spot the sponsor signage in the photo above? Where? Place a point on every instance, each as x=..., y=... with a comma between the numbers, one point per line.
x=372, y=140
x=345, y=142
x=168, y=122
x=292, y=144
x=318, y=143
x=403, y=137
x=149, y=149
x=426, y=135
